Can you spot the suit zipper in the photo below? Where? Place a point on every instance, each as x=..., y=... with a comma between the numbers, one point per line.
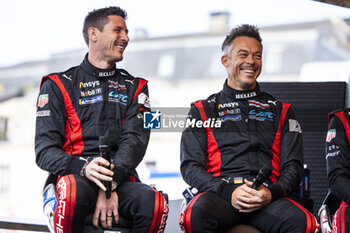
x=106, y=105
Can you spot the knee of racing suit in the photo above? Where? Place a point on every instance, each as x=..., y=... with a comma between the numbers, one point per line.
x=75, y=198
x=153, y=209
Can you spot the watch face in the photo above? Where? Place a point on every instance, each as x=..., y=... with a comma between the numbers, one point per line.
x=114, y=185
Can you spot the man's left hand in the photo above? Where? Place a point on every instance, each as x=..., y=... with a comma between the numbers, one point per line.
x=255, y=199
x=106, y=209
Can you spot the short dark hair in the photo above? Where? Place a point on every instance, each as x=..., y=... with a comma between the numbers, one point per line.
x=242, y=30
x=99, y=18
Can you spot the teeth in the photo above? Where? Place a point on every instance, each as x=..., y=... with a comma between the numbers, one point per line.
x=249, y=71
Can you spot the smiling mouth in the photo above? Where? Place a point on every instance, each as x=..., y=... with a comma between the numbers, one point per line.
x=248, y=71
x=121, y=47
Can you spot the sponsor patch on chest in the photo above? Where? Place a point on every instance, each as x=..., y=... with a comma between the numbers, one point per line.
x=91, y=100
x=261, y=115
x=116, y=97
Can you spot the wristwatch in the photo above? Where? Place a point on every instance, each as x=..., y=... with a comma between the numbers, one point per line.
x=114, y=186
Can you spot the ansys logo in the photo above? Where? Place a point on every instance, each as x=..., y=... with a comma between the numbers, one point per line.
x=152, y=120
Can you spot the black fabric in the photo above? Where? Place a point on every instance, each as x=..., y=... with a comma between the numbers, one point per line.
x=210, y=213
x=312, y=101
x=341, y=220
x=74, y=109
x=338, y=167
x=251, y=122
x=136, y=210
x=338, y=155
x=78, y=106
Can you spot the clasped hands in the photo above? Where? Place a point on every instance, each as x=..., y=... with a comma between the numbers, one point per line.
x=246, y=199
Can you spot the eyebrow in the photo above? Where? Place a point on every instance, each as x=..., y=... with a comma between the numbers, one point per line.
x=246, y=51
x=242, y=50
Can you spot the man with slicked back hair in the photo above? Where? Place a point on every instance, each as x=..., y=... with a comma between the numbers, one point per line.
x=92, y=108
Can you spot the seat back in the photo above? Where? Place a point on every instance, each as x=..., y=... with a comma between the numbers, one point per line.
x=312, y=101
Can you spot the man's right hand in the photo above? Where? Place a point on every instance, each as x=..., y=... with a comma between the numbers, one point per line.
x=106, y=209
x=97, y=171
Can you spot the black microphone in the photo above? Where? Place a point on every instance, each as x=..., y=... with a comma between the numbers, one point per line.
x=105, y=152
x=263, y=174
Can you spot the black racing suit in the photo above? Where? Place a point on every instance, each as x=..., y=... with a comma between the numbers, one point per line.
x=338, y=166
x=255, y=130
x=75, y=108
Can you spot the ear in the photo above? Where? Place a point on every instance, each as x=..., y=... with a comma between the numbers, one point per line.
x=93, y=34
x=225, y=60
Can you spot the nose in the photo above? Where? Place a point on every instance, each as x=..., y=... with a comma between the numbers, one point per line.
x=124, y=36
x=250, y=59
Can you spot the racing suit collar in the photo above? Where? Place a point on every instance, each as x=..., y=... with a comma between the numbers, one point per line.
x=97, y=72
x=235, y=94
